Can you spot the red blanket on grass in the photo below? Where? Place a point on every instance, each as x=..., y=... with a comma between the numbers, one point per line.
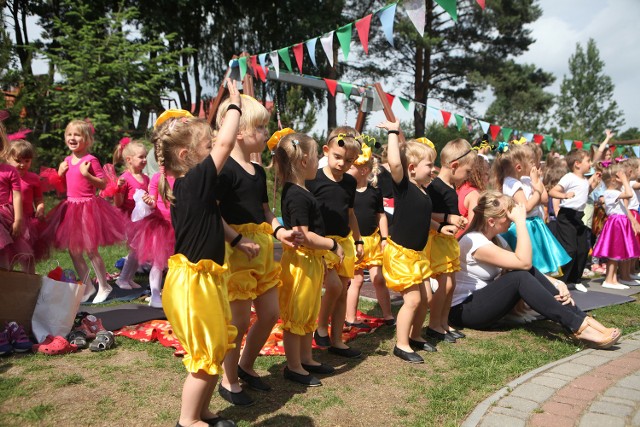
x=160, y=330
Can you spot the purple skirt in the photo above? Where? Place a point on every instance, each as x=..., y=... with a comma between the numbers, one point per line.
x=617, y=240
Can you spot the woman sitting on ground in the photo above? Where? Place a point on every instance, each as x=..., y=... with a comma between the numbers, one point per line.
x=494, y=279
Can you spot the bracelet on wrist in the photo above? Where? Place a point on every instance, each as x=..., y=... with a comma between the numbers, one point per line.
x=393, y=131
x=234, y=107
x=441, y=227
x=335, y=245
x=383, y=238
x=275, y=232
x=235, y=241
x=358, y=242
x=446, y=218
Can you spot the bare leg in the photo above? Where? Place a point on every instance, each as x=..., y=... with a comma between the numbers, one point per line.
x=612, y=267
x=267, y=311
x=240, y=312
x=449, y=286
x=306, y=354
x=125, y=281
x=353, y=295
x=194, y=394
x=404, y=321
x=292, y=349
x=421, y=311
x=333, y=289
x=101, y=274
x=205, y=412
x=80, y=265
x=337, y=315
x=155, y=282
x=382, y=292
x=438, y=301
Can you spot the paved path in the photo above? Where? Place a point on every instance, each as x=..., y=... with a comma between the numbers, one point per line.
x=598, y=388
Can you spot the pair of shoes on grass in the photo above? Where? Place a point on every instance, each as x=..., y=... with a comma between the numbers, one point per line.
x=103, y=340
x=14, y=338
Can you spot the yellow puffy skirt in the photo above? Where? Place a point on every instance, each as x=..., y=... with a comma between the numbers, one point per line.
x=301, y=290
x=443, y=252
x=403, y=267
x=195, y=303
x=348, y=266
x=372, y=253
x=248, y=279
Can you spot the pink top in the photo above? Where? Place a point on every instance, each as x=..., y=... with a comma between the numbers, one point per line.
x=78, y=185
x=131, y=184
x=462, y=191
x=153, y=192
x=9, y=181
x=31, y=190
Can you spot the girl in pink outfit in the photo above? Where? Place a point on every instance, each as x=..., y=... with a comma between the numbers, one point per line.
x=12, y=242
x=20, y=156
x=134, y=156
x=83, y=222
x=153, y=238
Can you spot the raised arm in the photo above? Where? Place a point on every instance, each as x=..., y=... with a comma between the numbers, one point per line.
x=226, y=139
x=393, y=150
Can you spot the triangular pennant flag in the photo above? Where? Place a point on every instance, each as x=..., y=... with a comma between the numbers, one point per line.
x=362, y=26
x=284, y=54
x=331, y=85
x=275, y=61
x=494, y=130
x=327, y=46
x=459, y=121
x=537, y=138
x=263, y=61
x=387, y=16
x=587, y=146
x=446, y=116
x=506, y=133
x=346, y=88
x=405, y=103
x=528, y=136
x=568, y=143
x=311, y=48
x=435, y=112
x=548, y=140
x=298, y=52
x=636, y=150
x=253, y=61
x=390, y=98
x=450, y=7
x=258, y=71
x=417, y=11
x=242, y=62
x=481, y=3
x=484, y=126
x=469, y=125
x=344, y=38
x=578, y=144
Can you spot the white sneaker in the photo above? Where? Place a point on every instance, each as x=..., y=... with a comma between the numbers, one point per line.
x=102, y=295
x=580, y=287
x=155, y=302
x=629, y=282
x=123, y=284
x=635, y=276
x=614, y=285
x=88, y=292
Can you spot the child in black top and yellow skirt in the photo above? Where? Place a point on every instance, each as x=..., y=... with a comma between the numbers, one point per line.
x=405, y=264
x=195, y=296
x=296, y=160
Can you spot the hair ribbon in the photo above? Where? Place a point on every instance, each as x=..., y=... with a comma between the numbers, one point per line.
x=426, y=141
x=170, y=114
x=502, y=147
x=277, y=136
x=124, y=142
x=605, y=163
x=365, y=156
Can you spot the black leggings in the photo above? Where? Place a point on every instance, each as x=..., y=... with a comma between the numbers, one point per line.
x=489, y=304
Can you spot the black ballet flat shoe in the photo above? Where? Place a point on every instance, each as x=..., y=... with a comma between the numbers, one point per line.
x=411, y=357
x=457, y=334
x=422, y=345
x=390, y=322
x=320, y=340
x=219, y=422
x=322, y=368
x=240, y=398
x=439, y=336
x=308, y=380
x=349, y=353
x=357, y=325
x=255, y=383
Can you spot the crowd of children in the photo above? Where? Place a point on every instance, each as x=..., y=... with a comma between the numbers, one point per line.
x=211, y=225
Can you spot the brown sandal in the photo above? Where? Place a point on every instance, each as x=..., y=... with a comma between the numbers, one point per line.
x=612, y=334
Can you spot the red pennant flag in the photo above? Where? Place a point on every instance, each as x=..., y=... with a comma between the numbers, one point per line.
x=481, y=3
x=257, y=69
x=390, y=98
x=297, y=52
x=445, y=117
x=363, y=26
x=494, y=130
x=331, y=85
x=537, y=138
x=579, y=144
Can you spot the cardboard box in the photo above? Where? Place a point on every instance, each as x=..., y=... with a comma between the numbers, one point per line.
x=18, y=296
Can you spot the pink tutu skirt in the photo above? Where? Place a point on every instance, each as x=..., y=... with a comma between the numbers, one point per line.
x=15, y=249
x=35, y=229
x=152, y=239
x=617, y=240
x=84, y=224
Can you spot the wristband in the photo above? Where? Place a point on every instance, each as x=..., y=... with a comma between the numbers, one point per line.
x=441, y=227
x=275, y=232
x=446, y=218
x=234, y=107
x=358, y=242
x=383, y=238
x=235, y=241
x=395, y=132
x=335, y=245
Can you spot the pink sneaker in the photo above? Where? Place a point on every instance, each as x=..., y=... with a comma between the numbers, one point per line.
x=5, y=345
x=18, y=338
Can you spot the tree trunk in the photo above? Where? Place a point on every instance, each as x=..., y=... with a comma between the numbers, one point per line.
x=422, y=75
x=332, y=120
x=196, y=77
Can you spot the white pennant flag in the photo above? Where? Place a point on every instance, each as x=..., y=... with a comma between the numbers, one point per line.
x=311, y=48
x=417, y=11
x=636, y=151
x=327, y=46
x=263, y=61
x=275, y=60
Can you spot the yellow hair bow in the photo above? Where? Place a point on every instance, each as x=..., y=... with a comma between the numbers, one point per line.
x=520, y=141
x=426, y=141
x=170, y=114
x=363, y=158
x=277, y=136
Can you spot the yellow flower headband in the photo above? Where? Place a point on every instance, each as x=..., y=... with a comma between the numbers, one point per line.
x=277, y=136
x=170, y=114
x=520, y=141
x=426, y=141
x=364, y=157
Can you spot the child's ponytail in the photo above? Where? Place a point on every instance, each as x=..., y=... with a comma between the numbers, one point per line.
x=164, y=189
x=375, y=171
x=4, y=143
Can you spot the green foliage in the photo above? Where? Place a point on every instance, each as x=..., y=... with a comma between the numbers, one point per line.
x=586, y=106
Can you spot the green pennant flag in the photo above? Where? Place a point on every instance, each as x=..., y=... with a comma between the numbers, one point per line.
x=405, y=103
x=548, y=141
x=586, y=146
x=450, y=7
x=344, y=38
x=506, y=133
x=346, y=88
x=284, y=54
x=242, y=62
x=459, y=121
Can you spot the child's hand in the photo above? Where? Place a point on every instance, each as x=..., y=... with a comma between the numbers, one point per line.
x=340, y=252
x=234, y=94
x=635, y=226
x=389, y=125
x=621, y=175
x=383, y=244
x=148, y=199
x=291, y=238
x=609, y=134
x=457, y=220
x=63, y=168
x=40, y=212
x=570, y=195
x=449, y=230
x=518, y=213
x=121, y=182
x=16, y=229
x=249, y=247
x=84, y=169
x=534, y=174
x=359, y=252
